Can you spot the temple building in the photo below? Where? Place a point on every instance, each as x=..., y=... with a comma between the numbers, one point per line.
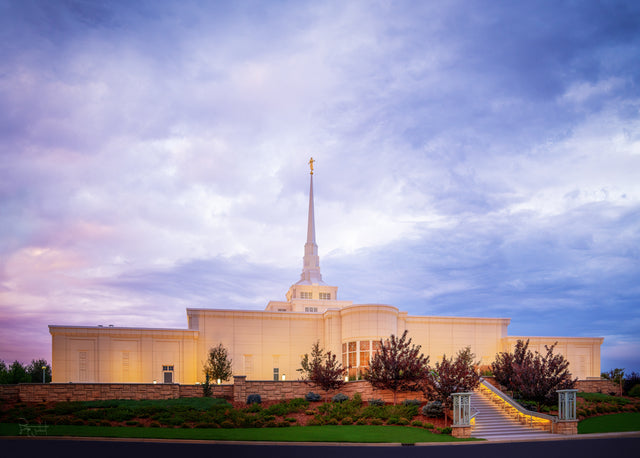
x=269, y=344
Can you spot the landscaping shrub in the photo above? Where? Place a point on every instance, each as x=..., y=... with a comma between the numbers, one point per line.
x=254, y=399
x=332, y=421
x=154, y=424
x=411, y=402
x=132, y=423
x=417, y=423
x=428, y=425
x=403, y=422
x=446, y=430
x=227, y=424
x=340, y=398
x=361, y=421
x=347, y=421
x=433, y=409
x=635, y=391
x=392, y=421
x=375, y=422
x=376, y=402
x=312, y=397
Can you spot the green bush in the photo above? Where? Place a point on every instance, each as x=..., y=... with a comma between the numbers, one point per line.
x=154, y=424
x=403, y=421
x=312, y=397
x=411, y=402
x=428, y=425
x=347, y=421
x=375, y=422
x=340, y=398
x=332, y=421
x=361, y=421
x=227, y=424
x=446, y=430
x=433, y=409
x=635, y=391
x=376, y=402
x=392, y=421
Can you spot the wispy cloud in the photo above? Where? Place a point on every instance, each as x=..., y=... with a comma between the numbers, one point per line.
x=473, y=159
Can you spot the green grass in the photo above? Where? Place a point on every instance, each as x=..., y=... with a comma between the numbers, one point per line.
x=628, y=421
x=601, y=397
x=350, y=433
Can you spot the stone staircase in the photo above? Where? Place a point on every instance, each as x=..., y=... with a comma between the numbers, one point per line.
x=493, y=424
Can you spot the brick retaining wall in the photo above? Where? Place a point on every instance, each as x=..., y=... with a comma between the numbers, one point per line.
x=268, y=390
x=598, y=386
x=276, y=391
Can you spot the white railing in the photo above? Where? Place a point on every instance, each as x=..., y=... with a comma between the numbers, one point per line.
x=515, y=410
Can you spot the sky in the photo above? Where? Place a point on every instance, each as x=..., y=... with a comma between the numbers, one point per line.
x=473, y=158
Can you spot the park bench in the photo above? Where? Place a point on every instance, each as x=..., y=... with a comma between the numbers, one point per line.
x=32, y=429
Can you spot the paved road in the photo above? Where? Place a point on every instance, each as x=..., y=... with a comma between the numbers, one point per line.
x=35, y=448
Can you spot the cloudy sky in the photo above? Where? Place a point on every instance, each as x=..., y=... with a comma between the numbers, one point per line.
x=474, y=158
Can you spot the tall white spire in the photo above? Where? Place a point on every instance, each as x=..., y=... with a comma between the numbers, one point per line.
x=311, y=261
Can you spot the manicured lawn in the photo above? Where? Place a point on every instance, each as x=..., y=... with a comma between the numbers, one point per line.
x=343, y=433
x=628, y=421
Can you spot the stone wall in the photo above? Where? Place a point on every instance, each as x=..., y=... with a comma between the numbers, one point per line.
x=598, y=386
x=268, y=390
x=9, y=392
x=276, y=391
x=59, y=392
x=587, y=386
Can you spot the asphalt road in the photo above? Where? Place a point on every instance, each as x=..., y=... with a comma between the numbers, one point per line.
x=620, y=447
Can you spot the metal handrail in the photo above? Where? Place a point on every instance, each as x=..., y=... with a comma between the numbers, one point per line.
x=509, y=400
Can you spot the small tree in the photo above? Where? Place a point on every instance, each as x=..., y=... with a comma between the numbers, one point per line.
x=533, y=376
x=218, y=365
x=451, y=375
x=398, y=366
x=616, y=376
x=322, y=369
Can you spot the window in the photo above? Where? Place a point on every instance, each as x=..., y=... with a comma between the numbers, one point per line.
x=82, y=366
x=125, y=366
x=282, y=310
x=167, y=368
x=248, y=365
x=305, y=295
x=364, y=353
x=276, y=374
x=325, y=296
x=311, y=309
x=353, y=359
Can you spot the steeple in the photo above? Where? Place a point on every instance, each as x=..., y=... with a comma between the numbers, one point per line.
x=311, y=261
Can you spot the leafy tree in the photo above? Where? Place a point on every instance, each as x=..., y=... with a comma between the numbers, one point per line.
x=218, y=365
x=398, y=366
x=614, y=375
x=630, y=381
x=453, y=375
x=322, y=369
x=34, y=371
x=533, y=376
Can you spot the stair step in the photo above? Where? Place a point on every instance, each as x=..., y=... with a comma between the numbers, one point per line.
x=492, y=423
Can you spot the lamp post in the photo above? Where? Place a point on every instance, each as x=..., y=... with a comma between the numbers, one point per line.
x=44, y=368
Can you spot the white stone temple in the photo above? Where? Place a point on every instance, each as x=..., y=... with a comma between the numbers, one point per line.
x=269, y=344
